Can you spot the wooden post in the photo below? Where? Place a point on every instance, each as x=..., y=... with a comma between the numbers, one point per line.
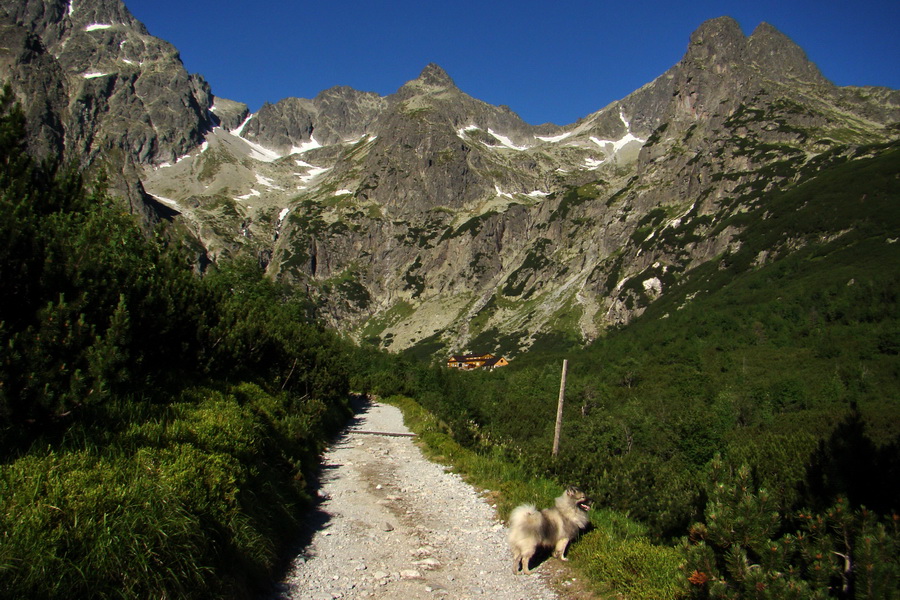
x=559, y=407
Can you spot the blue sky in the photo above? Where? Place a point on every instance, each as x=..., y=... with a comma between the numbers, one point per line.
x=548, y=61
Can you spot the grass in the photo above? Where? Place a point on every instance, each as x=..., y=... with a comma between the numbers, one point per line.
x=618, y=557
x=79, y=515
x=196, y=499
x=375, y=326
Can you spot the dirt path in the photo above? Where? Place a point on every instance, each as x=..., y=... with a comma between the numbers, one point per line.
x=391, y=524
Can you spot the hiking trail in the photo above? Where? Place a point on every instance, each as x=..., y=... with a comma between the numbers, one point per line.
x=393, y=525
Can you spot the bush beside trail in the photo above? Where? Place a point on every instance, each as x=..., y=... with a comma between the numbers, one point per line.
x=157, y=429
x=616, y=556
x=194, y=499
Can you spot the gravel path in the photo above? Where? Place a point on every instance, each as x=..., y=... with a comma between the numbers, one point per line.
x=391, y=524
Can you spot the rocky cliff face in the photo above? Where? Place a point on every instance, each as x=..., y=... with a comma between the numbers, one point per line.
x=332, y=117
x=125, y=90
x=99, y=90
x=430, y=218
x=40, y=85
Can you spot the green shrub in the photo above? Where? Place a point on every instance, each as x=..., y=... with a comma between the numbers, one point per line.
x=197, y=500
x=629, y=566
x=77, y=524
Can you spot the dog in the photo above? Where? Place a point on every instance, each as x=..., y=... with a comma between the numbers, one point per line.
x=553, y=527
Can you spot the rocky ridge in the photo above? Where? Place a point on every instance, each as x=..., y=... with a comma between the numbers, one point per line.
x=127, y=90
x=429, y=218
x=100, y=91
x=444, y=221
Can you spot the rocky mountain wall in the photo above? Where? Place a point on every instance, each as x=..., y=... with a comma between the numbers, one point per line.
x=428, y=217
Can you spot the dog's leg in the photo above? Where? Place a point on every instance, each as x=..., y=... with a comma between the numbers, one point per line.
x=560, y=551
x=526, y=562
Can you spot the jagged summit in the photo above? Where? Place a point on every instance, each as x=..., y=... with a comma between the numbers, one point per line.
x=775, y=52
x=718, y=38
x=53, y=20
x=720, y=45
x=435, y=76
x=127, y=89
x=432, y=79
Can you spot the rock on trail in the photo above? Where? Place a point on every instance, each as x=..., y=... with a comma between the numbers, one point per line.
x=394, y=525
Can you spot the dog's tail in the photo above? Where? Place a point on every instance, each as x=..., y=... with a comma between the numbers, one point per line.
x=525, y=517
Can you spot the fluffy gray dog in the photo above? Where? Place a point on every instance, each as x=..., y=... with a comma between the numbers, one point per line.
x=530, y=528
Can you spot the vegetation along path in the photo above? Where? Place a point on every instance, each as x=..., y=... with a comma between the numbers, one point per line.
x=394, y=525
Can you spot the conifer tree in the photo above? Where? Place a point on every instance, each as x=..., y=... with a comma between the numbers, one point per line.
x=747, y=547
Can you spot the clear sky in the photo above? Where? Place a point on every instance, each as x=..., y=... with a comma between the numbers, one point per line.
x=548, y=61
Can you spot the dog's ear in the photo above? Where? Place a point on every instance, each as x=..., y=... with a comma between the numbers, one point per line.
x=572, y=491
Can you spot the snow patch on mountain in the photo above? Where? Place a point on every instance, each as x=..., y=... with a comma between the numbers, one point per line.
x=261, y=153
x=312, y=144
x=555, y=138
x=462, y=132
x=617, y=144
x=248, y=196
x=612, y=148
x=505, y=140
x=257, y=151
x=266, y=182
x=240, y=128
x=97, y=26
x=312, y=171
x=164, y=200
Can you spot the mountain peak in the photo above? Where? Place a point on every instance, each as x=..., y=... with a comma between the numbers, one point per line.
x=777, y=53
x=433, y=79
x=766, y=29
x=435, y=76
x=717, y=30
x=717, y=40
x=719, y=43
